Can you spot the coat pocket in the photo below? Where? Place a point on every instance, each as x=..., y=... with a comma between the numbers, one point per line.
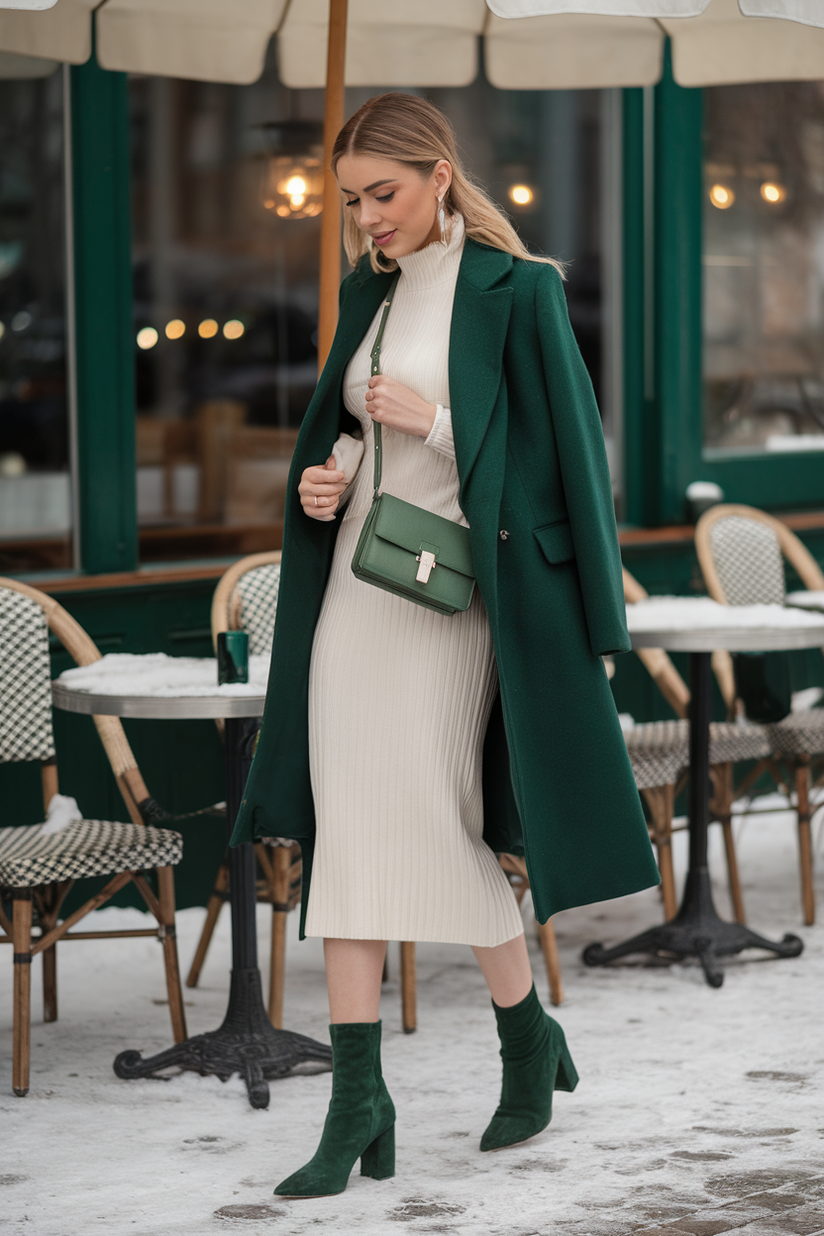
x=556, y=541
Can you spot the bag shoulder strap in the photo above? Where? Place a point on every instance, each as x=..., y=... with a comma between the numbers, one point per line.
x=375, y=369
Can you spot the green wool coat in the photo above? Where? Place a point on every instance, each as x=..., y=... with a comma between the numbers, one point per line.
x=535, y=488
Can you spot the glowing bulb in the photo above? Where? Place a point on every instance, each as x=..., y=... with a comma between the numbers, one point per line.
x=772, y=193
x=175, y=329
x=297, y=200
x=521, y=195
x=233, y=329
x=296, y=186
x=146, y=338
x=722, y=197
x=208, y=328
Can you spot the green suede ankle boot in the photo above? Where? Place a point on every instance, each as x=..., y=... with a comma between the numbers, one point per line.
x=536, y=1063
x=360, y=1122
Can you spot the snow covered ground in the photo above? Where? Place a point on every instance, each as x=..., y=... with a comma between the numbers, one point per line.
x=698, y=1111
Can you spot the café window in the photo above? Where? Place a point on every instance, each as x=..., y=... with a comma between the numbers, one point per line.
x=35, y=491
x=763, y=269
x=225, y=254
x=552, y=160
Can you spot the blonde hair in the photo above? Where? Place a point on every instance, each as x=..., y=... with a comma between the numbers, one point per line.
x=412, y=131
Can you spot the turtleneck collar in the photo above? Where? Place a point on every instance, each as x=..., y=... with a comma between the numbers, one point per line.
x=436, y=263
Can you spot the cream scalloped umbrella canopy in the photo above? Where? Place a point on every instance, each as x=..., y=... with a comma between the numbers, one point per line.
x=526, y=44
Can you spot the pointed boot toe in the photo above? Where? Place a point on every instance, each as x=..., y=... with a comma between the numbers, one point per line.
x=510, y=1130
x=309, y=1182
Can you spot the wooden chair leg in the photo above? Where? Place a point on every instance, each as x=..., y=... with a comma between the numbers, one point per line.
x=721, y=802
x=549, y=948
x=50, y=983
x=409, y=992
x=281, y=870
x=733, y=878
x=21, y=942
x=213, y=907
x=805, y=850
x=166, y=897
x=661, y=803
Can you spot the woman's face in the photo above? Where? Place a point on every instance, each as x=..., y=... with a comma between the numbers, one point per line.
x=392, y=202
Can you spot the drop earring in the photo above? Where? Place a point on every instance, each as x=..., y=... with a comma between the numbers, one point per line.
x=442, y=222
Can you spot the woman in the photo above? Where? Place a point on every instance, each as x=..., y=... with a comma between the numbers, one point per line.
x=401, y=747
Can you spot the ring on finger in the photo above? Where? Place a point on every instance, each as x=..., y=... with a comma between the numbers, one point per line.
x=316, y=499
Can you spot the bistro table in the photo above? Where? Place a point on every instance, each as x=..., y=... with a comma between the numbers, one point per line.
x=699, y=626
x=185, y=688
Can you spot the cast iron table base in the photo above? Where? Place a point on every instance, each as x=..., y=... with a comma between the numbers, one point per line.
x=247, y=1043
x=696, y=930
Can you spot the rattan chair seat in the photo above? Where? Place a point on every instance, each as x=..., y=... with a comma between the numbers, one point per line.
x=659, y=750
x=83, y=848
x=801, y=733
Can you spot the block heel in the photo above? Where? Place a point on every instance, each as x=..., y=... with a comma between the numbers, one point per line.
x=378, y=1159
x=566, y=1077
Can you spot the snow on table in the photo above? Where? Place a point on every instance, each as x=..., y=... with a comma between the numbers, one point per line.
x=807, y=599
x=701, y=613
x=157, y=675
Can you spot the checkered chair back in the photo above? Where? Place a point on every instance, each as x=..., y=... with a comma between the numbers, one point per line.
x=747, y=559
x=25, y=681
x=258, y=593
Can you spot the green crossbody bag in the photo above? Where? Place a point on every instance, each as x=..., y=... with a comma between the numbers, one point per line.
x=409, y=551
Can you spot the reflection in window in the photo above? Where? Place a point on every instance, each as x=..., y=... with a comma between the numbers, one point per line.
x=225, y=294
x=551, y=159
x=764, y=268
x=34, y=475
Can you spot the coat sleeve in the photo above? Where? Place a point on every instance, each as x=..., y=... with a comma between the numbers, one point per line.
x=584, y=470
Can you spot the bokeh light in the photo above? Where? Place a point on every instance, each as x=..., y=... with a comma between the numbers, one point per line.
x=773, y=193
x=233, y=329
x=146, y=338
x=722, y=197
x=175, y=329
x=208, y=328
x=521, y=195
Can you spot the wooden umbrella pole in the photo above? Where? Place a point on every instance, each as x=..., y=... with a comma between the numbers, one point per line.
x=330, y=220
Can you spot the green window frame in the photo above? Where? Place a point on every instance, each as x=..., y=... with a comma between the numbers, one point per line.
x=100, y=315
x=663, y=326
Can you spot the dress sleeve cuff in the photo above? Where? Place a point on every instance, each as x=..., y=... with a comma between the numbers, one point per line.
x=440, y=435
x=348, y=453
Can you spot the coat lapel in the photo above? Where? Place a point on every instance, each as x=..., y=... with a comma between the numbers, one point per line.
x=480, y=318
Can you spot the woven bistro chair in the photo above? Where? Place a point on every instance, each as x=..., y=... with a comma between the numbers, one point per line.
x=659, y=755
x=741, y=551
x=37, y=871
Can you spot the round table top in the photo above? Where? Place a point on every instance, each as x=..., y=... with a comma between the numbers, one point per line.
x=157, y=687
x=698, y=624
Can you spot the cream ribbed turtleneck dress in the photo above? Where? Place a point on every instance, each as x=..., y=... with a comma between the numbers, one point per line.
x=399, y=696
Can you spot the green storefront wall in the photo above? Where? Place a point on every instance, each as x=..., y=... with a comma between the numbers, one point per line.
x=182, y=761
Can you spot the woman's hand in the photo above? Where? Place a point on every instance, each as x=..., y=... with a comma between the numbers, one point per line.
x=399, y=408
x=320, y=489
